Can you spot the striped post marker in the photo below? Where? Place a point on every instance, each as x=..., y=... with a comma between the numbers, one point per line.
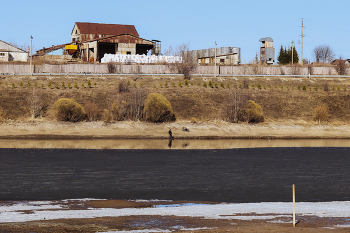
x=293, y=205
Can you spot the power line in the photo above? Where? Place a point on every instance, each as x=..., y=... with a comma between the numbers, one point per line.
x=310, y=37
x=341, y=29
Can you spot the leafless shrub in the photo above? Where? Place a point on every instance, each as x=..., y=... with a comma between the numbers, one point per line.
x=296, y=69
x=245, y=83
x=185, y=68
x=310, y=69
x=39, y=102
x=130, y=107
x=92, y=111
x=321, y=113
x=172, y=68
x=340, y=66
x=115, y=110
x=234, y=106
x=2, y=115
x=107, y=116
x=326, y=86
x=123, y=86
x=188, y=64
x=111, y=68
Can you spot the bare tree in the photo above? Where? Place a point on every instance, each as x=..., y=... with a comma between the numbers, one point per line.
x=130, y=105
x=340, y=66
x=187, y=65
x=233, y=109
x=169, y=51
x=39, y=102
x=324, y=54
x=25, y=46
x=310, y=69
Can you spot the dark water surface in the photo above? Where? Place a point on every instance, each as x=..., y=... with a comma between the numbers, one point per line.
x=230, y=175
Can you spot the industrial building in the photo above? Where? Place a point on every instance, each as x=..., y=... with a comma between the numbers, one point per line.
x=90, y=41
x=9, y=52
x=267, y=51
x=224, y=55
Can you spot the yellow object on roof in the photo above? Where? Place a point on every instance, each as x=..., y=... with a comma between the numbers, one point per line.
x=71, y=47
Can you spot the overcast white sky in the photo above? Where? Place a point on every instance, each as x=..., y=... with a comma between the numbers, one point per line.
x=231, y=23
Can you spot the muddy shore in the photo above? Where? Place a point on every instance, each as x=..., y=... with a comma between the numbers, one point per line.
x=41, y=129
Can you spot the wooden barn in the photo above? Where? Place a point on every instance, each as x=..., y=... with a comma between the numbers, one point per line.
x=90, y=41
x=95, y=39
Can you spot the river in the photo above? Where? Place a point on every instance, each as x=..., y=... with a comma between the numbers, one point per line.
x=225, y=175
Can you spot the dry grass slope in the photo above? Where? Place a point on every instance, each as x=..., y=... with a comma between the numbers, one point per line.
x=279, y=98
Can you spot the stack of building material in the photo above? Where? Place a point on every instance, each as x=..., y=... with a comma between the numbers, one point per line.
x=127, y=58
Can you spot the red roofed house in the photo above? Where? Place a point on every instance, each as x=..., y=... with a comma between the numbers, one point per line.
x=95, y=39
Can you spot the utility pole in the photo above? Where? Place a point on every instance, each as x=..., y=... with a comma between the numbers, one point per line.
x=299, y=49
x=31, y=47
x=292, y=52
x=215, y=60
x=302, y=44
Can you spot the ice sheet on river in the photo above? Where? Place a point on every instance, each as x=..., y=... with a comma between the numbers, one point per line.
x=33, y=211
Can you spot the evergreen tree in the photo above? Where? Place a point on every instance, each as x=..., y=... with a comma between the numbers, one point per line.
x=256, y=58
x=285, y=56
x=295, y=55
x=280, y=56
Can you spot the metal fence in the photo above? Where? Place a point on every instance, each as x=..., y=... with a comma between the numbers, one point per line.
x=171, y=75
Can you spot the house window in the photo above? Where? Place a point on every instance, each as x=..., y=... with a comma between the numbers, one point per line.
x=2, y=54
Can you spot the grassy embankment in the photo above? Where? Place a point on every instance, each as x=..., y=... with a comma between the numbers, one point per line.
x=281, y=98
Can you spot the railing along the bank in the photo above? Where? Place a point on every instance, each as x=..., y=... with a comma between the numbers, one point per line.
x=170, y=75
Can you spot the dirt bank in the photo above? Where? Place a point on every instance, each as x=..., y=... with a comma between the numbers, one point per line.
x=41, y=129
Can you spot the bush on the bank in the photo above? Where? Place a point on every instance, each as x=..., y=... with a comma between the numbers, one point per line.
x=93, y=113
x=321, y=113
x=254, y=112
x=107, y=116
x=123, y=86
x=115, y=110
x=2, y=115
x=68, y=110
x=158, y=108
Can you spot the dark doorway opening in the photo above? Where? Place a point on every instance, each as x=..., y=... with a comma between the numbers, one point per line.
x=105, y=48
x=143, y=48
